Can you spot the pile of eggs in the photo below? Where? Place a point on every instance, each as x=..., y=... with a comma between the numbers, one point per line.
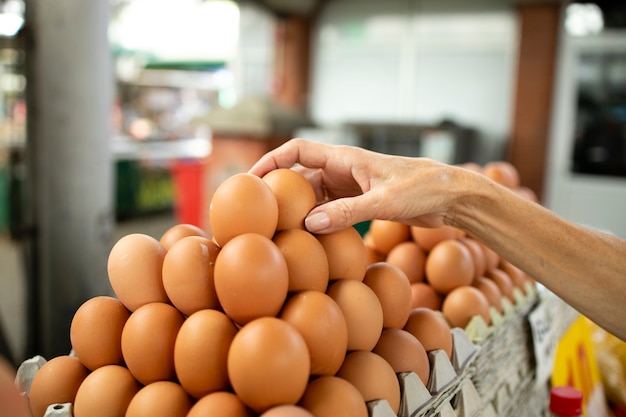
x=261, y=317
x=450, y=271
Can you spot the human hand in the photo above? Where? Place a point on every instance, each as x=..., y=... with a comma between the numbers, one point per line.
x=354, y=185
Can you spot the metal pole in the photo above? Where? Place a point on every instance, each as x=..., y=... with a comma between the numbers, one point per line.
x=71, y=166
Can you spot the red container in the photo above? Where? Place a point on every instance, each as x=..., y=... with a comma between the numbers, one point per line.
x=188, y=177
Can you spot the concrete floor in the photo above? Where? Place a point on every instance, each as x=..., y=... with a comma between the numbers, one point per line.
x=12, y=278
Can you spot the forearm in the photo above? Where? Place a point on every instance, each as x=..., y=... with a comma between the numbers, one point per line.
x=585, y=268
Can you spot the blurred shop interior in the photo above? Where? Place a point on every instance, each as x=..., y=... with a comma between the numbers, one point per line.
x=125, y=115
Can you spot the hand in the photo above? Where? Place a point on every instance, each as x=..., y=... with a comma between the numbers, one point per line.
x=354, y=185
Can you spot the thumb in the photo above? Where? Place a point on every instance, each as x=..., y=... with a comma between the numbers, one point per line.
x=339, y=214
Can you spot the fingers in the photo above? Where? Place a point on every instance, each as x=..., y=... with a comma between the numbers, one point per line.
x=339, y=214
x=306, y=153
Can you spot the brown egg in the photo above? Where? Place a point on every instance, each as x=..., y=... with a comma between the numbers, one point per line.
x=404, y=353
x=372, y=376
x=331, y=396
x=345, y=251
x=179, y=231
x=393, y=290
x=219, y=404
x=57, y=381
x=410, y=258
x=386, y=234
x=472, y=166
x=423, y=295
x=201, y=350
x=503, y=281
x=491, y=290
x=502, y=172
x=160, y=399
x=13, y=403
x=517, y=275
x=478, y=255
x=287, y=411
x=96, y=331
x=427, y=237
x=295, y=197
x=463, y=303
x=105, y=392
x=306, y=259
x=527, y=193
x=268, y=364
x=492, y=259
x=188, y=274
x=134, y=267
x=372, y=256
x=431, y=329
x=362, y=311
x=323, y=326
x=449, y=265
x=251, y=278
x=243, y=203
x=148, y=342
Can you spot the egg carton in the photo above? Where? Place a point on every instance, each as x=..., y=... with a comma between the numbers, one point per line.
x=447, y=378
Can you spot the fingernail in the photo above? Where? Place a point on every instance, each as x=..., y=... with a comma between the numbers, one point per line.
x=317, y=221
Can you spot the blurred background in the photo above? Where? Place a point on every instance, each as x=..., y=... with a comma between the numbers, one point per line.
x=120, y=116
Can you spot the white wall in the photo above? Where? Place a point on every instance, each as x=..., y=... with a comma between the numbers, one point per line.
x=417, y=61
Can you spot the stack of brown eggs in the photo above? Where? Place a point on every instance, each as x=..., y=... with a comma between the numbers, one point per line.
x=450, y=271
x=258, y=318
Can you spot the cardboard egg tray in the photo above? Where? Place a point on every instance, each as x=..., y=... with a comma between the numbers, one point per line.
x=449, y=379
x=496, y=378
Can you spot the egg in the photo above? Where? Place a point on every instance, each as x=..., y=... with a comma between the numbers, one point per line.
x=160, y=399
x=517, y=275
x=478, y=256
x=96, y=331
x=490, y=290
x=423, y=295
x=219, y=404
x=307, y=264
x=404, y=353
x=410, y=258
x=331, y=396
x=362, y=311
x=251, y=278
x=134, y=267
x=386, y=234
x=428, y=237
x=372, y=376
x=148, y=341
x=449, y=265
x=502, y=172
x=201, y=350
x=243, y=203
x=295, y=197
x=492, y=259
x=503, y=281
x=462, y=304
x=179, y=231
x=345, y=251
x=323, y=326
x=431, y=329
x=106, y=392
x=393, y=290
x=268, y=364
x=287, y=411
x=188, y=274
x=57, y=381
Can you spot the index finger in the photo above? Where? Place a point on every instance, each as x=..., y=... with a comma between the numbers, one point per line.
x=295, y=151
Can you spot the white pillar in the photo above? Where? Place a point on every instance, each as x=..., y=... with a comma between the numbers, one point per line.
x=69, y=146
